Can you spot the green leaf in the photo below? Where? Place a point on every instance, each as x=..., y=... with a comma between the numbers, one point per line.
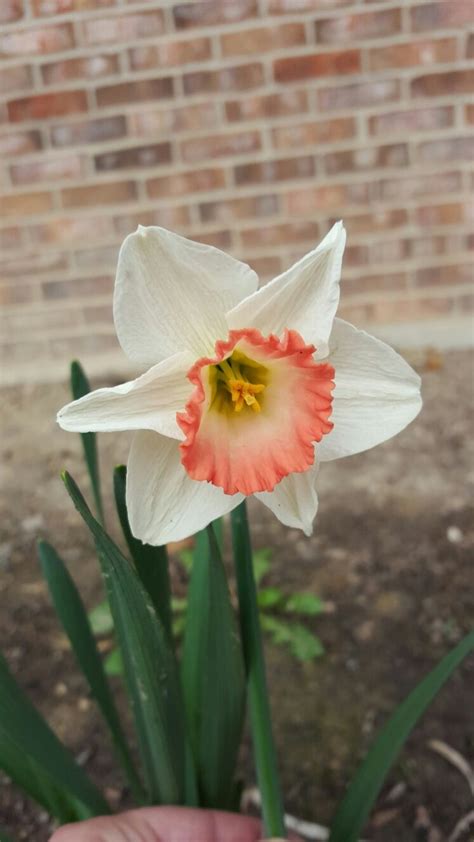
x=367, y=783
x=100, y=619
x=34, y=758
x=151, y=563
x=303, y=644
x=149, y=667
x=270, y=598
x=261, y=563
x=79, y=387
x=213, y=675
x=5, y=837
x=113, y=663
x=72, y=614
x=304, y=603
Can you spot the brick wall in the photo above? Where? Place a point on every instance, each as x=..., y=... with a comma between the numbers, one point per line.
x=249, y=124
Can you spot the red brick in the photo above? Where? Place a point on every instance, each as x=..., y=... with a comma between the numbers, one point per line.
x=275, y=235
x=263, y=39
x=320, y=64
x=34, y=263
x=393, y=155
x=210, y=13
x=313, y=199
x=447, y=149
x=170, y=54
x=174, y=218
x=127, y=92
x=413, y=54
x=361, y=95
x=451, y=213
x=412, y=309
x=427, y=246
x=89, y=345
x=19, y=143
x=11, y=10
x=17, y=294
x=43, y=320
x=387, y=282
x=15, y=79
x=87, y=67
x=58, y=7
x=218, y=239
x=231, y=209
x=10, y=238
x=136, y=156
x=407, y=122
x=92, y=258
x=27, y=42
x=389, y=251
x=45, y=106
x=370, y=223
x=309, y=134
x=268, y=106
x=67, y=230
x=470, y=46
x=47, y=170
x=266, y=267
x=98, y=194
x=122, y=28
x=189, y=118
x=220, y=146
x=469, y=113
x=274, y=171
x=356, y=256
x=90, y=131
x=444, y=84
x=420, y=185
x=25, y=204
x=180, y=184
x=350, y=28
x=225, y=79
x=445, y=275
x=77, y=287
x=98, y=315
x=442, y=15
x=292, y=7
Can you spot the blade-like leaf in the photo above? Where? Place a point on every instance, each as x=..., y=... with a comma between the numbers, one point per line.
x=369, y=778
x=151, y=562
x=72, y=614
x=79, y=387
x=213, y=675
x=34, y=758
x=149, y=667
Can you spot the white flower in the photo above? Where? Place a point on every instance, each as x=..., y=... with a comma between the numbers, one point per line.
x=239, y=397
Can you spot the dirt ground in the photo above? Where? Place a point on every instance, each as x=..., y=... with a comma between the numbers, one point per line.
x=391, y=555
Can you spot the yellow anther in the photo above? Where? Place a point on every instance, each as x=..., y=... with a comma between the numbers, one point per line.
x=244, y=392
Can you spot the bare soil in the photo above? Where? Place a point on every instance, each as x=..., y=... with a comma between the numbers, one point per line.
x=391, y=556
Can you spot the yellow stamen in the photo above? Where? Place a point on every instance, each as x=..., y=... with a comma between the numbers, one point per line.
x=242, y=391
x=233, y=386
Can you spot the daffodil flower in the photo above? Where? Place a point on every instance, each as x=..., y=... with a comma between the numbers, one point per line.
x=247, y=390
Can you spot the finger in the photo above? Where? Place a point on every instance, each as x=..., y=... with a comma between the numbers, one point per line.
x=163, y=824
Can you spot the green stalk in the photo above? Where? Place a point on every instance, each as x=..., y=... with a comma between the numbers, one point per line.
x=259, y=705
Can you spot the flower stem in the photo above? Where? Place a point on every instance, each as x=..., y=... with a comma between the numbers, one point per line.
x=259, y=705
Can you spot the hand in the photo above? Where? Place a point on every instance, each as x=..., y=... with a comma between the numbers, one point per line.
x=163, y=824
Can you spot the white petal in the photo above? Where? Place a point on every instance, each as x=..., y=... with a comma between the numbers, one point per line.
x=377, y=393
x=148, y=403
x=304, y=298
x=294, y=500
x=171, y=294
x=163, y=503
